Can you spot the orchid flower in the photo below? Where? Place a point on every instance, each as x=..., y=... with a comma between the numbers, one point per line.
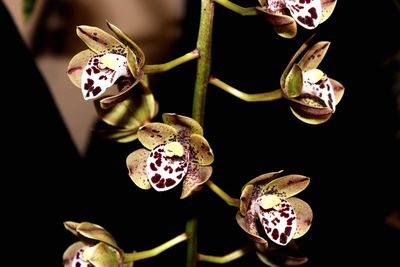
x=313, y=95
x=108, y=61
x=284, y=15
x=268, y=210
x=97, y=247
x=175, y=151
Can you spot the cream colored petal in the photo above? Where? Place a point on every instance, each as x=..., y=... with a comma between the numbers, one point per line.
x=76, y=66
x=304, y=215
x=136, y=164
x=156, y=133
x=99, y=41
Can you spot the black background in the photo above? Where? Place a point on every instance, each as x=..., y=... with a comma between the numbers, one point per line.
x=352, y=159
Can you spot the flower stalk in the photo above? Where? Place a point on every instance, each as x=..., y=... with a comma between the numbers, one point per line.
x=222, y=194
x=171, y=64
x=244, y=11
x=228, y=257
x=257, y=97
x=135, y=256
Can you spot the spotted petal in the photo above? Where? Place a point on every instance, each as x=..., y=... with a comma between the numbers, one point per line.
x=304, y=216
x=70, y=254
x=307, y=13
x=279, y=222
x=136, y=164
x=283, y=24
x=286, y=186
x=195, y=177
x=338, y=90
x=179, y=121
x=313, y=57
x=156, y=133
x=99, y=41
x=101, y=72
x=317, y=84
x=249, y=225
x=76, y=66
x=201, y=151
x=165, y=172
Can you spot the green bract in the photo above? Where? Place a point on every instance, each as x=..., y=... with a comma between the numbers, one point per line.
x=174, y=151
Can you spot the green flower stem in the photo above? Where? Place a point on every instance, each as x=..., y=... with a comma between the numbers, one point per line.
x=267, y=96
x=191, y=231
x=228, y=257
x=228, y=199
x=135, y=256
x=244, y=11
x=171, y=64
x=204, y=40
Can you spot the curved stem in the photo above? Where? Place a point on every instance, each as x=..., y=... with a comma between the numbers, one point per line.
x=171, y=64
x=228, y=199
x=244, y=11
x=258, y=97
x=228, y=257
x=135, y=256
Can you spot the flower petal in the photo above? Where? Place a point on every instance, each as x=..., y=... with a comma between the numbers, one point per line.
x=70, y=253
x=136, y=164
x=99, y=41
x=313, y=57
x=286, y=186
x=195, y=178
x=311, y=115
x=71, y=226
x=125, y=86
x=140, y=57
x=201, y=151
x=101, y=72
x=248, y=224
x=165, y=172
x=133, y=112
x=279, y=222
x=103, y=255
x=278, y=259
x=95, y=232
x=338, y=90
x=327, y=9
x=285, y=26
x=245, y=198
x=307, y=13
x=304, y=216
x=156, y=133
x=263, y=178
x=179, y=121
x=76, y=66
x=294, y=82
x=317, y=84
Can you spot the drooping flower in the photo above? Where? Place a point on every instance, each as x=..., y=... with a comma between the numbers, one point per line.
x=108, y=61
x=96, y=248
x=174, y=151
x=313, y=96
x=268, y=210
x=285, y=14
x=124, y=119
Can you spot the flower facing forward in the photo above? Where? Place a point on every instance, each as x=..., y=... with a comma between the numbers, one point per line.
x=174, y=151
x=97, y=247
x=268, y=210
x=313, y=95
x=285, y=14
x=108, y=61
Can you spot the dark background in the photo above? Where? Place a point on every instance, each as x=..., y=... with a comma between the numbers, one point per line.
x=353, y=159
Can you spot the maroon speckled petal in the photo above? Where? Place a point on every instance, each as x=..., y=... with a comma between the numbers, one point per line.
x=165, y=172
x=304, y=216
x=195, y=178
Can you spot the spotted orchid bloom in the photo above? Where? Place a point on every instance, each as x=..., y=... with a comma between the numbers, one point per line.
x=313, y=95
x=268, y=210
x=175, y=151
x=96, y=248
x=284, y=15
x=109, y=61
